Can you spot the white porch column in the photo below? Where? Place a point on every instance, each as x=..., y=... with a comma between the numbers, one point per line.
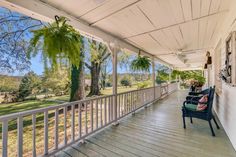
x=153, y=77
x=114, y=48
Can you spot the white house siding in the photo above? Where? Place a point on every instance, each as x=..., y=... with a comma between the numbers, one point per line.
x=225, y=102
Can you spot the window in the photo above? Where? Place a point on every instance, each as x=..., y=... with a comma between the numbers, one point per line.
x=230, y=59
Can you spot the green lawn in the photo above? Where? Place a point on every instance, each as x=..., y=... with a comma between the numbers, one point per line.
x=23, y=106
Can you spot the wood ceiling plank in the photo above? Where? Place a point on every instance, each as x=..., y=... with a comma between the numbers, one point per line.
x=129, y=22
x=205, y=6
x=224, y=4
x=176, y=8
x=162, y=39
x=196, y=8
x=187, y=9
x=190, y=34
x=170, y=39
x=158, y=12
x=105, y=10
x=202, y=31
x=211, y=26
x=75, y=7
x=148, y=43
x=178, y=36
x=215, y=6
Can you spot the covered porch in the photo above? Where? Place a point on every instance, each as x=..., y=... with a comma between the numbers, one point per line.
x=155, y=131
x=174, y=33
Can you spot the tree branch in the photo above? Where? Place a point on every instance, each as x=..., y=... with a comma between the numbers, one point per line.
x=87, y=65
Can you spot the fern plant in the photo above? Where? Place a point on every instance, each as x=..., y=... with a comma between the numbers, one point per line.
x=141, y=63
x=59, y=40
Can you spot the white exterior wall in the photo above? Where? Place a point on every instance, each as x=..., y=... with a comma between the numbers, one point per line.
x=225, y=102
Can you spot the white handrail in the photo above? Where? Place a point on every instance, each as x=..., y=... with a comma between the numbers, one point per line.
x=85, y=116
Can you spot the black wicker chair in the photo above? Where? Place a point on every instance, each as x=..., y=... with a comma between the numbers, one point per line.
x=189, y=109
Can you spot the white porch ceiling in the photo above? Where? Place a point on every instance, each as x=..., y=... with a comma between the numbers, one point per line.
x=160, y=27
x=177, y=31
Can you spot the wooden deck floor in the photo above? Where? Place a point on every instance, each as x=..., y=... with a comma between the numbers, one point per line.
x=156, y=131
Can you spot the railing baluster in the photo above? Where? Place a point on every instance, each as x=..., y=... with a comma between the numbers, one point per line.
x=73, y=122
x=125, y=103
x=86, y=118
x=101, y=111
x=65, y=125
x=19, y=136
x=132, y=100
x=105, y=110
x=4, y=138
x=45, y=132
x=118, y=106
x=109, y=109
x=91, y=114
x=112, y=108
x=96, y=113
x=80, y=123
x=56, y=130
x=34, y=135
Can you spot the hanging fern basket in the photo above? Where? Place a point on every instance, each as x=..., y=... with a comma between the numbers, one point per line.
x=141, y=63
x=58, y=40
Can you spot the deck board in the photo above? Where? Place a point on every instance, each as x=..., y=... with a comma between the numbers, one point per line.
x=156, y=131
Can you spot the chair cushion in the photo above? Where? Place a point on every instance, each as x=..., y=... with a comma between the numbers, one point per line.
x=202, y=103
x=191, y=107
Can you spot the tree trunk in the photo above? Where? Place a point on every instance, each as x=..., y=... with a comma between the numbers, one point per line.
x=77, y=83
x=95, y=73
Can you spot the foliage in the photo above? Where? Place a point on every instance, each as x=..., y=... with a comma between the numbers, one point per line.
x=124, y=60
x=141, y=63
x=9, y=83
x=162, y=75
x=15, y=30
x=60, y=41
x=143, y=84
x=30, y=84
x=56, y=80
x=125, y=82
x=194, y=76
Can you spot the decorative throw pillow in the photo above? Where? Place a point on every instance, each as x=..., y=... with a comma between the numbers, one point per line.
x=202, y=103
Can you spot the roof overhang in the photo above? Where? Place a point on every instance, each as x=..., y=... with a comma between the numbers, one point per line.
x=177, y=33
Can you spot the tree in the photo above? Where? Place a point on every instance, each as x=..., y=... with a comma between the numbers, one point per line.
x=99, y=54
x=15, y=32
x=60, y=41
x=30, y=84
x=106, y=68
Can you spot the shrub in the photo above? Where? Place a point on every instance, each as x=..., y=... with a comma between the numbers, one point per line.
x=125, y=82
x=143, y=84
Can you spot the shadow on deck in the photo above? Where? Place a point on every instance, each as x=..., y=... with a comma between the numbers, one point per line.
x=156, y=131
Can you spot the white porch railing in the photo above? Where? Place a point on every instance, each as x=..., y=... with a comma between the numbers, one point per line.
x=45, y=131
